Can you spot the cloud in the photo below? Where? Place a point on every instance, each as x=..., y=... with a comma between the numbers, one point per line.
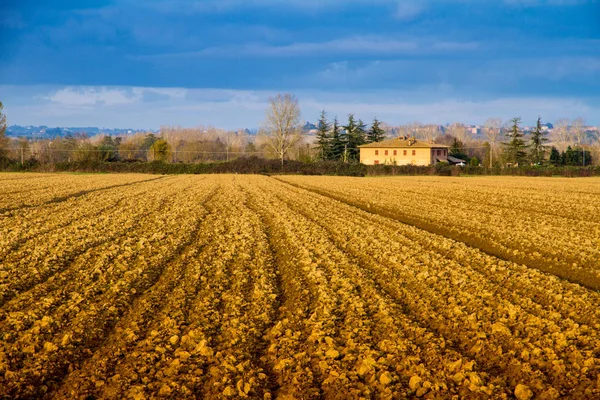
x=86, y=96
x=351, y=46
x=357, y=44
x=231, y=109
x=224, y=6
x=139, y=107
x=401, y=109
x=167, y=93
x=344, y=73
x=564, y=68
x=11, y=20
x=408, y=10
x=455, y=46
x=538, y=3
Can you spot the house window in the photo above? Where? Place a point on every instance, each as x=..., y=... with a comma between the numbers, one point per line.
x=376, y=152
x=395, y=152
x=386, y=152
x=439, y=152
x=414, y=152
x=376, y=162
x=404, y=152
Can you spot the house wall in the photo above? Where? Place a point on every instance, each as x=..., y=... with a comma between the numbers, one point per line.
x=443, y=157
x=423, y=156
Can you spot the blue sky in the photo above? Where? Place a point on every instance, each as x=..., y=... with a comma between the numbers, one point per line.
x=133, y=63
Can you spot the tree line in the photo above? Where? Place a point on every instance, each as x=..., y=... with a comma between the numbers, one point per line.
x=497, y=145
x=516, y=150
x=341, y=142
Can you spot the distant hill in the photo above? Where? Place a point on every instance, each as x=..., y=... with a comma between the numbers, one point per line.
x=45, y=132
x=308, y=127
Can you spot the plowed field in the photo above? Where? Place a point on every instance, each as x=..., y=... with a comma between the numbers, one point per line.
x=230, y=286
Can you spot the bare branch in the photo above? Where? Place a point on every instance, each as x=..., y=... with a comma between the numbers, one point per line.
x=282, y=124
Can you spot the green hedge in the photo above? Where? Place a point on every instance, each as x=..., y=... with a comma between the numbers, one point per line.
x=256, y=165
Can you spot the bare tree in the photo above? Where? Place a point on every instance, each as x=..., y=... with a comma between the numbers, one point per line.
x=596, y=134
x=578, y=134
x=578, y=130
x=389, y=130
x=429, y=132
x=492, y=129
x=233, y=143
x=414, y=129
x=282, y=125
x=561, y=133
x=459, y=131
x=130, y=147
x=3, y=138
x=403, y=130
x=23, y=146
x=595, y=148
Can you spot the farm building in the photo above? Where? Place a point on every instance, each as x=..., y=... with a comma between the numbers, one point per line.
x=403, y=151
x=457, y=161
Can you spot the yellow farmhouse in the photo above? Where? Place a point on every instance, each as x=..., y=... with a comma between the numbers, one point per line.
x=403, y=151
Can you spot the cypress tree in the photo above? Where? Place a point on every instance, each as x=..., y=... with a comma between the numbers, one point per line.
x=572, y=157
x=107, y=149
x=349, y=129
x=588, y=157
x=514, y=151
x=537, y=144
x=375, y=134
x=148, y=141
x=456, y=147
x=554, y=156
x=323, y=138
x=337, y=142
x=577, y=157
x=360, y=138
x=355, y=136
x=456, y=150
